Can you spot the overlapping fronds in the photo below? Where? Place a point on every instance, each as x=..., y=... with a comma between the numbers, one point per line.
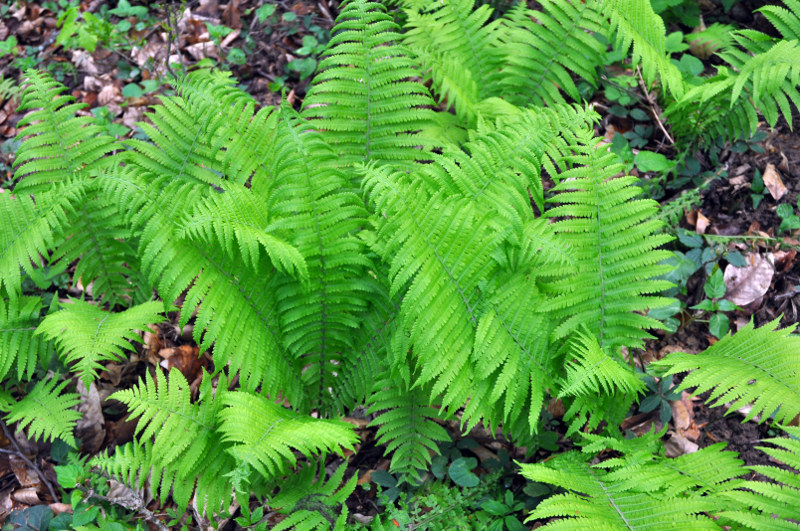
x=639, y=28
x=187, y=453
x=595, y=500
x=406, y=424
x=47, y=411
x=236, y=221
x=272, y=435
x=756, y=365
x=59, y=146
x=543, y=49
x=95, y=335
x=312, y=202
x=458, y=50
x=363, y=100
x=301, y=487
x=616, y=249
x=770, y=505
x=786, y=21
x=20, y=348
x=30, y=229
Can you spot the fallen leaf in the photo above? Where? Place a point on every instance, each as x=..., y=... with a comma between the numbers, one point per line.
x=683, y=417
x=90, y=428
x=773, y=182
x=184, y=358
x=26, y=476
x=27, y=496
x=678, y=445
x=702, y=223
x=745, y=285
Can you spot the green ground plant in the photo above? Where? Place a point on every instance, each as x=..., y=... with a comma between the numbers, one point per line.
x=374, y=249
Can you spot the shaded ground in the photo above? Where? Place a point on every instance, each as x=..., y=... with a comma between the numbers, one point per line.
x=100, y=79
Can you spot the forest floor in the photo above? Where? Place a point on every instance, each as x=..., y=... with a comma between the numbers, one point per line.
x=120, y=78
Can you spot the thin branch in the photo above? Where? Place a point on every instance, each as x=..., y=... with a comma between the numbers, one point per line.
x=138, y=507
x=653, y=106
x=18, y=452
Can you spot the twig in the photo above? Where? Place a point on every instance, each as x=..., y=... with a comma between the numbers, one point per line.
x=653, y=107
x=139, y=507
x=18, y=452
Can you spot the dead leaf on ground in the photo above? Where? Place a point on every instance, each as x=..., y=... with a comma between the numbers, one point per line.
x=773, y=182
x=26, y=476
x=678, y=445
x=683, y=417
x=27, y=496
x=746, y=285
x=90, y=428
x=184, y=358
x=702, y=223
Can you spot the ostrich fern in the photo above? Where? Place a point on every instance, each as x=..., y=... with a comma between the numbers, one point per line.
x=374, y=250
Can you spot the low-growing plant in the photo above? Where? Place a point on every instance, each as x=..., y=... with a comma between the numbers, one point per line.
x=375, y=249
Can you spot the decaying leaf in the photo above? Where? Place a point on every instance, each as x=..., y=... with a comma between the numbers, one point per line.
x=773, y=182
x=678, y=445
x=748, y=284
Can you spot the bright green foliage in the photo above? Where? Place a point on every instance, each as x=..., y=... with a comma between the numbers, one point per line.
x=362, y=95
x=47, y=411
x=20, y=349
x=346, y=255
x=407, y=424
x=612, y=245
x=758, y=366
x=96, y=335
x=187, y=451
x=768, y=505
x=308, y=501
x=61, y=147
x=544, y=48
x=267, y=441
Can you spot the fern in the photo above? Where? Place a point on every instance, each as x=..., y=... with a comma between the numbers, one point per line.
x=407, y=425
x=768, y=505
x=615, y=248
x=362, y=99
x=47, y=411
x=187, y=452
x=266, y=443
x=96, y=335
x=756, y=365
x=59, y=146
x=20, y=348
x=309, y=503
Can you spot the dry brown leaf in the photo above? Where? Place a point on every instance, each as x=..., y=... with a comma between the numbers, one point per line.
x=702, y=223
x=683, y=417
x=773, y=182
x=26, y=476
x=27, y=496
x=90, y=428
x=745, y=285
x=184, y=358
x=678, y=445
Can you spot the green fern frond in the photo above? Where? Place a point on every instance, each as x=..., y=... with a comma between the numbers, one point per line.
x=47, y=412
x=234, y=217
x=29, y=230
x=59, y=147
x=313, y=203
x=758, y=366
x=771, y=505
x=406, y=425
x=543, y=49
x=616, y=248
x=637, y=24
x=786, y=21
x=310, y=503
x=458, y=51
x=86, y=335
x=592, y=372
x=267, y=442
x=595, y=501
x=19, y=346
x=362, y=99
x=187, y=453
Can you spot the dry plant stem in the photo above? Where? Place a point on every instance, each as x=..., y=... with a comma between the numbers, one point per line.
x=140, y=508
x=18, y=452
x=653, y=107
